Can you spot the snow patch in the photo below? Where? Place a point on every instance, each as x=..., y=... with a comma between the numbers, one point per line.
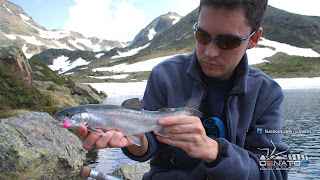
x=257, y=55
x=136, y=67
x=130, y=53
x=88, y=43
x=121, y=76
x=75, y=44
x=85, y=42
x=175, y=18
x=24, y=17
x=124, y=44
x=62, y=64
x=61, y=46
x=11, y=36
x=31, y=40
x=99, y=55
x=151, y=34
x=288, y=49
x=299, y=83
x=24, y=50
x=7, y=8
x=56, y=34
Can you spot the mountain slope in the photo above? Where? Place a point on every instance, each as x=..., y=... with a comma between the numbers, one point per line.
x=157, y=26
x=162, y=37
x=281, y=26
x=18, y=28
x=293, y=29
x=179, y=38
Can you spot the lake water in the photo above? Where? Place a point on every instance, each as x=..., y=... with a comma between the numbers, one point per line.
x=301, y=114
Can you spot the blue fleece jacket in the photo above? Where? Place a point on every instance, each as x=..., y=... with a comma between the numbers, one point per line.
x=253, y=103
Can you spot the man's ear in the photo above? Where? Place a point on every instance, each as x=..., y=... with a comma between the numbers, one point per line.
x=255, y=39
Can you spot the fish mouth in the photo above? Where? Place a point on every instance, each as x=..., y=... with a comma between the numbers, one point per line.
x=58, y=123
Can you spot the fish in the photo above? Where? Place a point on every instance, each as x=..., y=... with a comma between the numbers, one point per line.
x=129, y=118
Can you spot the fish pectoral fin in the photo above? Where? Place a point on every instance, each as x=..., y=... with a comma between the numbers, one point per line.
x=135, y=140
x=161, y=132
x=97, y=131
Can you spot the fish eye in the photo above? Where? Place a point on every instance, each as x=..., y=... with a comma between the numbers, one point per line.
x=68, y=115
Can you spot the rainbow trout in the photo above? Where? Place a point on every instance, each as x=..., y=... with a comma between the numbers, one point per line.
x=129, y=118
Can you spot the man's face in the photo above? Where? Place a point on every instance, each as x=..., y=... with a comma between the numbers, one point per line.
x=216, y=62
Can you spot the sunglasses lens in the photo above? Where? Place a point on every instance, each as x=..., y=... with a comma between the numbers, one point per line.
x=224, y=42
x=202, y=37
x=227, y=42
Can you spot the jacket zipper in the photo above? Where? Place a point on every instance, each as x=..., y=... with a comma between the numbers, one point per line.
x=227, y=117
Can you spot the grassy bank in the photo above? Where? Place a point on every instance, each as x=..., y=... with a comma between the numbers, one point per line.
x=16, y=95
x=284, y=66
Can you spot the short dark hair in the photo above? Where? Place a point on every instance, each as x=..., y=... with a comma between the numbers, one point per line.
x=254, y=9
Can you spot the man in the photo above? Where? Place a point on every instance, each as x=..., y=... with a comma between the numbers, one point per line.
x=237, y=101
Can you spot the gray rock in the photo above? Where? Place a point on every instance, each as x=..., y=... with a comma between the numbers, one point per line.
x=31, y=143
x=133, y=171
x=44, y=84
x=14, y=58
x=86, y=94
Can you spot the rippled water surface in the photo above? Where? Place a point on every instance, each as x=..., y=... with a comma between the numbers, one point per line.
x=301, y=112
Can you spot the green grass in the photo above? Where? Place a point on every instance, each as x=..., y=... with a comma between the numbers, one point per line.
x=284, y=66
x=15, y=94
x=44, y=73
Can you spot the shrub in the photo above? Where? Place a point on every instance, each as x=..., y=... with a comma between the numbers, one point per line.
x=15, y=94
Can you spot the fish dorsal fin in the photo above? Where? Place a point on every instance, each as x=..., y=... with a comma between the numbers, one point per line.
x=193, y=103
x=133, y=103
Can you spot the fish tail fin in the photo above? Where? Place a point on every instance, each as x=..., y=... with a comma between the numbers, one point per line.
x=161, y=132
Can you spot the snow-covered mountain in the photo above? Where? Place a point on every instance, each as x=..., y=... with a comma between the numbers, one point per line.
x=71, y=53
x=157, y=26
x=18, y=28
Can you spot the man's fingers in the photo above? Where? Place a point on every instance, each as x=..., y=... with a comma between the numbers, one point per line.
x=104, y=141
x=118, y=140
x=182, y=129
x=82, y=131
x=178, y=120
x=90, y=141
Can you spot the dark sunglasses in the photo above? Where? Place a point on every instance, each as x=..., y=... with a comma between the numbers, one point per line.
x=225, y=42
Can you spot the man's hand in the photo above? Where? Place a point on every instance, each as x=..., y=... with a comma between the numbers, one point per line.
x=112, y=139
x=188, y=133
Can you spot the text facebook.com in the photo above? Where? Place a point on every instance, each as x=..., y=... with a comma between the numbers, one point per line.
x=273, y=131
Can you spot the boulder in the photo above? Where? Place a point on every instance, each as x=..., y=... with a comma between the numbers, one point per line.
x=32, y=147
x=86, y=94
x=133, y=171
x=14, y=58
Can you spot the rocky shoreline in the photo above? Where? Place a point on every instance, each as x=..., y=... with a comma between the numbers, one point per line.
x=32, y=147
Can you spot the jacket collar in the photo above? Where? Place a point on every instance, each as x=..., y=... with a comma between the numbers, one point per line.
x=194, y=69
x=241, y=74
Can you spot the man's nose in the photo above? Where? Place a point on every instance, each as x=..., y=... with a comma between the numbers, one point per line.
x=212, y=49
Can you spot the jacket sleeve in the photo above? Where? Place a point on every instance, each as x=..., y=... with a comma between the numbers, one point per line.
x=236, y=162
